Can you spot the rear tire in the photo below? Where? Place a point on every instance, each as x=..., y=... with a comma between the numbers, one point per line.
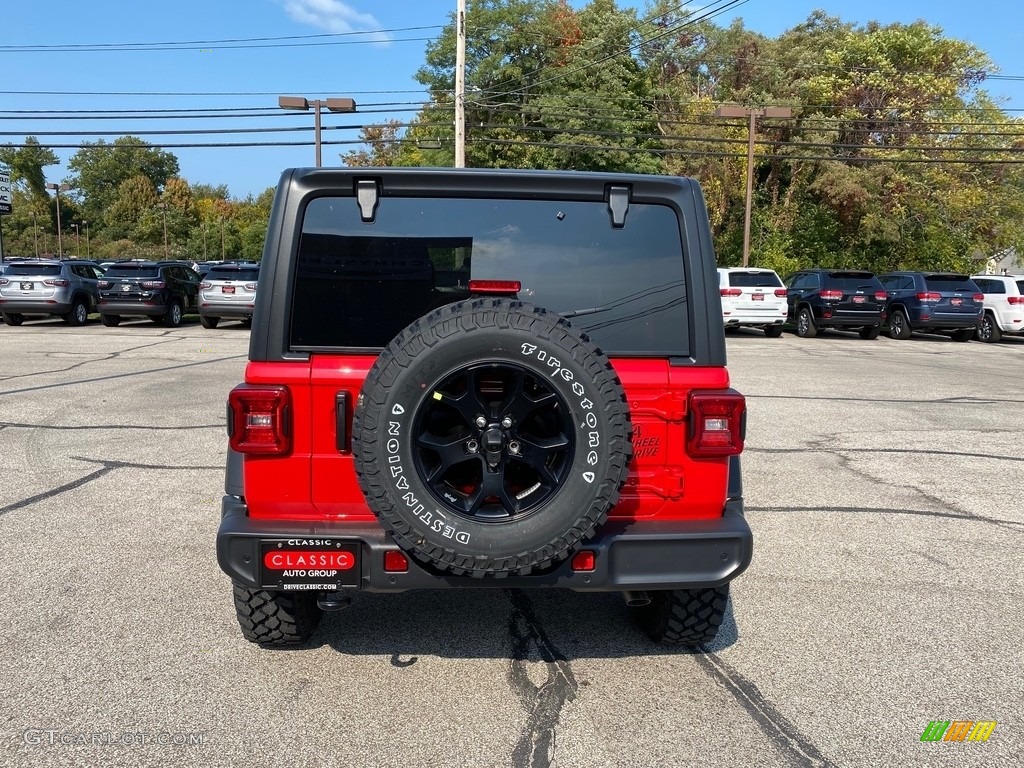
x=276, y=618
x=988, y=329
x=79, y=313
x=209, y=322
x=13, y=318
x=773, y=331
x=805, y=327
x=899, y=326
x=173, y=317
x=963, y=334
x=684, y=616
x=110, y=321
x=870, y=332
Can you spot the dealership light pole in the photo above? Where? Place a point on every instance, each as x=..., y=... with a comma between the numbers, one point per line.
x=35, y=233
x=78, y=241
x=163, y=210
x=303, y=104
x=88, y=250
x=58, y=188
x=752, y=114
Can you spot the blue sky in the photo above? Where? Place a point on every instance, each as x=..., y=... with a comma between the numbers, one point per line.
x=375, y=68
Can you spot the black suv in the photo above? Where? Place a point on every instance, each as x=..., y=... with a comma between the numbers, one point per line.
x=936, y=302
x=163, y=291
x=478, y=378
x=851, y=300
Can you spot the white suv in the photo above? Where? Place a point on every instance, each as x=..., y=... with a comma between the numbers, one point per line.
x=752, y=297
x=1004, y=305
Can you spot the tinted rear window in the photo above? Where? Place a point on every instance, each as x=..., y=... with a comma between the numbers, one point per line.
x=950, y=283
x=249, y=274
x=854, y=281
x=1020, y=286
x=754, y=280
x=359, y=290
x=33, y=269
x=131, y=270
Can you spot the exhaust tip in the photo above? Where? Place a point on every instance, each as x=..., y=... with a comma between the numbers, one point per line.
x=637, y=599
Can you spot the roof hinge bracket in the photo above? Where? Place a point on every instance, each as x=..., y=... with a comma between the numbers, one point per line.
x=618, y=205
x=367, y=197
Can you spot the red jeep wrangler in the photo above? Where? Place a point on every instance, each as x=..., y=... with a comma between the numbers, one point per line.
x=484, y=378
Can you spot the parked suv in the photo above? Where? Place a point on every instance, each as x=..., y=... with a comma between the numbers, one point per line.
x=67, y=289
x=163, y=291
x=480, y=378
x=835, y=298
x=936, y=302
x=1003, y=305
x=754, y=298
x=228, y=291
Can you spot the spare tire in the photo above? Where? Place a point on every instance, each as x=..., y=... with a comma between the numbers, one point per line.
x=491, y=437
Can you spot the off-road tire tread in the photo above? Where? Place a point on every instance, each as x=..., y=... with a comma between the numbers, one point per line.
x=490, y=314
x=275, y=618
x=684, y=616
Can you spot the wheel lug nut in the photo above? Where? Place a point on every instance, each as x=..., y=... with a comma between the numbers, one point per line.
x=506, y=422
x=481, y=422
x=514, y=447
x=472, y=446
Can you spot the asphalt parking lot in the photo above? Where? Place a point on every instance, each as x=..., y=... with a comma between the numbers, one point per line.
x=883, y=484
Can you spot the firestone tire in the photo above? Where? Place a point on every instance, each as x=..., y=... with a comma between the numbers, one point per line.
x=491, y=438
x=276, y=618
x=684, y=616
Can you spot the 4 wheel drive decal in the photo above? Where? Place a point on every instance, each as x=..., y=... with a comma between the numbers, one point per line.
x=433, y=519
x=590, y=421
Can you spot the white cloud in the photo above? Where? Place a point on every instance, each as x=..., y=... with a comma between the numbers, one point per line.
x=333, y=16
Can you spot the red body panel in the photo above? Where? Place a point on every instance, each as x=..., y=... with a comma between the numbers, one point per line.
x=316, y=481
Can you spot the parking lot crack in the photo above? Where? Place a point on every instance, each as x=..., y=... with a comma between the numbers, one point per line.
x=543, y=703
x=87, y=427
x=796, y=748
x=95, y=475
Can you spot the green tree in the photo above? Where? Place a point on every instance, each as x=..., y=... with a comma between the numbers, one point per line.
x=99, y=169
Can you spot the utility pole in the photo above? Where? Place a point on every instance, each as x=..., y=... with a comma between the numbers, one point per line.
x=163, y=210
x=752, y=114
x=57, y=189
x=460, y=84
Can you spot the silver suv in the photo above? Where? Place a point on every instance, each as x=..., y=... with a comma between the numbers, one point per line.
x=229, y=291
x=1004, y=306
x=67, y=289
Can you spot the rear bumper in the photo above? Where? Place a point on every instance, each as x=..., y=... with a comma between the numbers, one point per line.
x=641, y=555
x=944, y=322
x=755, y=318
x=240, y=311
x=37, y=307
x=130, y=308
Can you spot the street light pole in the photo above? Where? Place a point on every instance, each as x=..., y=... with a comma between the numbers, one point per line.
x=222, y=238
x=78, y=241
x=204, y=241
x=88, y=250
x=752, y=114
x=303, y=104
x=58, y=188
x=35, y=233
x=163, y=210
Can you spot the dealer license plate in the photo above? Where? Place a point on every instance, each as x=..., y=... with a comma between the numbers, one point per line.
x=26, y=286
x=957, y=302
x=757, y=297
x=228, y=288
x=859, y=299
x=299, y=564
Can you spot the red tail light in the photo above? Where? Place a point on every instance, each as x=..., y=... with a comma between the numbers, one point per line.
x=252, y=287
x=58, y=283
x=153, y=285
x=204, y=286
x=831, y=295
x=103, y=283
x=731, y=291
x=259, y=419
x=979, y=298
x=4, y=281
x=1015, y=299
x=881, y=295
x=781, y=293
x=929, y=296
x=717, y=423
x=495, y=286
